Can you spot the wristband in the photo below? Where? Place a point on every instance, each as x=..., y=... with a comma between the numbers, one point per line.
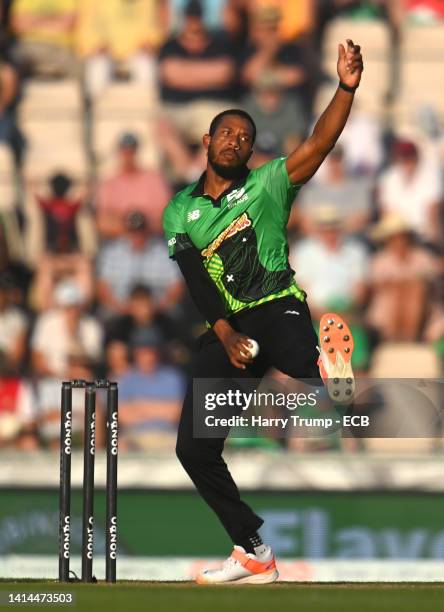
x=347, y=87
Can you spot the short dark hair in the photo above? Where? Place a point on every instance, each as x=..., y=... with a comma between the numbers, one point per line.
x=232, y=111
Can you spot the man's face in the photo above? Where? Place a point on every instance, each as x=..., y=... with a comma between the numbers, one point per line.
x=230, y=148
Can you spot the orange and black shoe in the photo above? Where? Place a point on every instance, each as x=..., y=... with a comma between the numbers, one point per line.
x=335, y=353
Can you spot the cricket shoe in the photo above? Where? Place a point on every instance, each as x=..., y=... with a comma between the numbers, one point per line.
x=335, y=355
x=242, y=568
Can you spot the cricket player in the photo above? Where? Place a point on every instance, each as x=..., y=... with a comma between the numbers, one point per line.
x=227, y=233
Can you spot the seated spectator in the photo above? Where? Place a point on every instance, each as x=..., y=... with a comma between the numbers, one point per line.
x=10, y=132
x=45, y=35
x=17, y=412
x=266, y=53
x=280, y=119
x=353, y=196
x=150, y=397
x=196, y=74
x=333, y=269
x=65, y=333
x=130, y=187
x=329, y=266
x=62, y=257
x=141, y=314
x=13, y=331
x=401, y=282
x=137, y=257
x=123, y=34
x=411, y=187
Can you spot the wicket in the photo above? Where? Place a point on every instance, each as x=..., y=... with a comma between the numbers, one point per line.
x=88, y=478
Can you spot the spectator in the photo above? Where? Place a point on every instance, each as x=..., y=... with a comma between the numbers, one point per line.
x=13, y=331
x=401, y=277
x=333, y=269
x=17, y=412
x=280, y=120
x=411, y=187
x=65, y=334
x=10, y=133
x=122, y=33
x=137, y=257
x=353, y=196
x=329, y=266
x=62, y=257
x=141, y=315
x=267, y=53
x=196, y=73
x=150, y=397
x=131, y=187
x=45, y=33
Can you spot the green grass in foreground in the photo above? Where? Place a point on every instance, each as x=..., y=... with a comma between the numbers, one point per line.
x=283, y=596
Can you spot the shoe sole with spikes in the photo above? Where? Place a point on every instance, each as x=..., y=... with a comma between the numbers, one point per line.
x=335, y=353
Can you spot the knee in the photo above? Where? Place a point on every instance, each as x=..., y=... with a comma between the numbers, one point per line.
x=194, y=452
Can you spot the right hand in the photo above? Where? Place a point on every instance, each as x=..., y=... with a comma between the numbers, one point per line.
x=236, y=345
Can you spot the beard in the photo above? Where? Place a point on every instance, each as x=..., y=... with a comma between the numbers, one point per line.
x=231, y=172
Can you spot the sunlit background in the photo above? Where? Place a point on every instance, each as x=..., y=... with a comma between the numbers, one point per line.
x=102, y=108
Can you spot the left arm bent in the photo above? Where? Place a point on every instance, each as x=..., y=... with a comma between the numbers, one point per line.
x=306, y=159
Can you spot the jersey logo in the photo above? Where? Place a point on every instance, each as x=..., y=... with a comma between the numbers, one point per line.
x=239, y=195
x=235, y=226
x=193, y=215
x=171, y=242
x=291, y=312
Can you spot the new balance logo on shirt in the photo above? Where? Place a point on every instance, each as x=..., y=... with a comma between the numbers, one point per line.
x=193, y=215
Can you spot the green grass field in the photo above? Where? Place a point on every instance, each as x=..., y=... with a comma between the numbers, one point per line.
x=280, y=597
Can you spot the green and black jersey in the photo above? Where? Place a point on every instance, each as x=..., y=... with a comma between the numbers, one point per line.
x=241, y=236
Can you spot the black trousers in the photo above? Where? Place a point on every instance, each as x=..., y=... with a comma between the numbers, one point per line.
x=287, y=342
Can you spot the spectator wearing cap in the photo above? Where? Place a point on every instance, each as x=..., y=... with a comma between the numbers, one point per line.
x=137, y=257
x=64, y=332
x=150, y=396
x=403, y=276
x=280, y=119
x=267, y=53
x=66, y=344
x=131, y=187
x=333, y=269
x=411, y=187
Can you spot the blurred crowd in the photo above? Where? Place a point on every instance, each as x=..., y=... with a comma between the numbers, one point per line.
x=366, y=234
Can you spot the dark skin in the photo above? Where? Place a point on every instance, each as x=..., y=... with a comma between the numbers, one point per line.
x=231, y=146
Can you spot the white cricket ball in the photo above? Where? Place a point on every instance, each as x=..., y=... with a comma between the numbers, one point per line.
x=253, y=350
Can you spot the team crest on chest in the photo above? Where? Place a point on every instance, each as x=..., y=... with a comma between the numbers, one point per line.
x=239, y=224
